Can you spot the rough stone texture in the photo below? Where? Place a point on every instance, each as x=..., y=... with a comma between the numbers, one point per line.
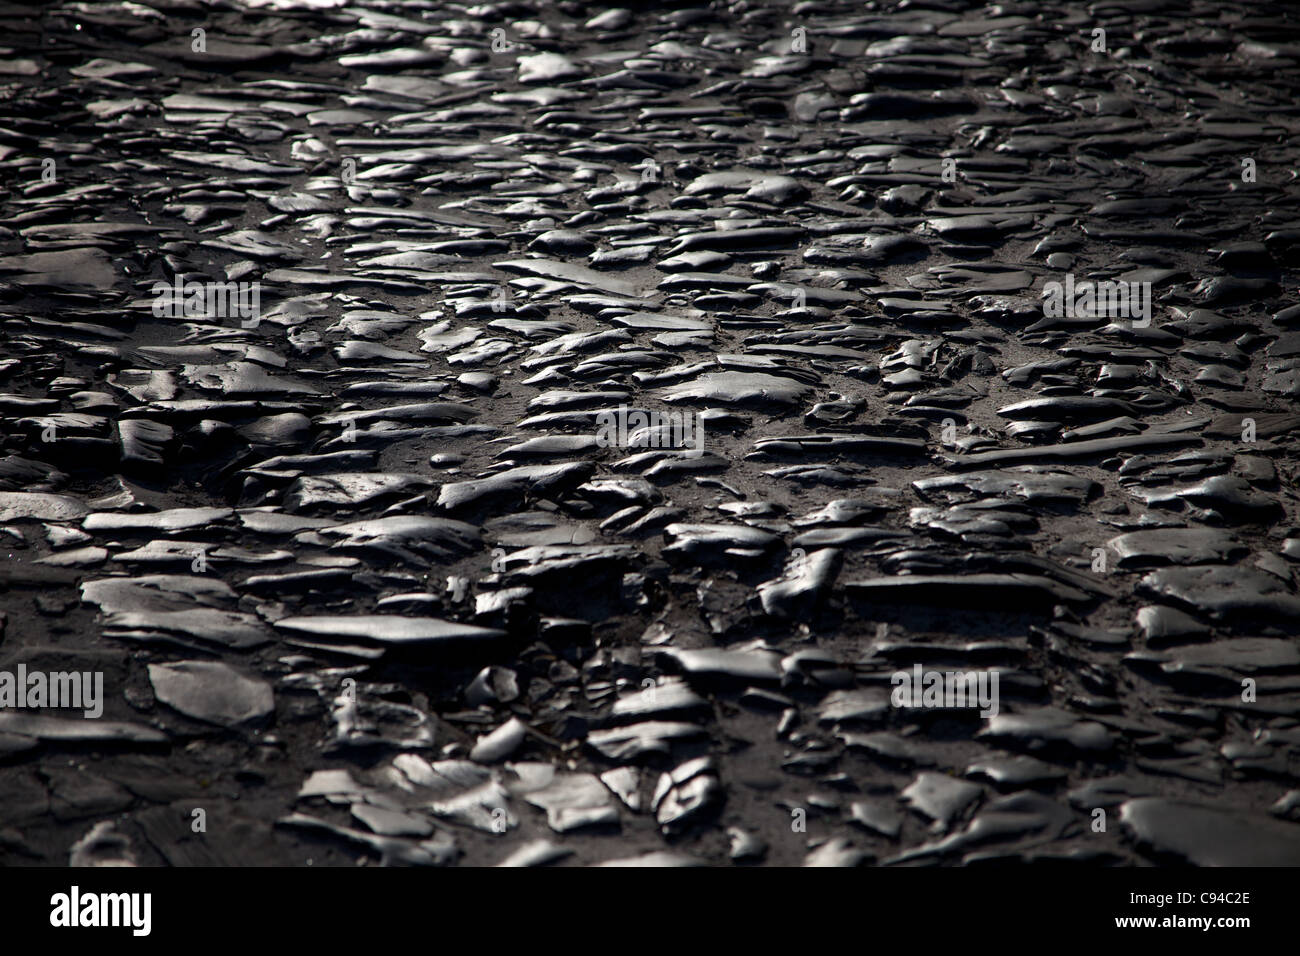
x=631, y=396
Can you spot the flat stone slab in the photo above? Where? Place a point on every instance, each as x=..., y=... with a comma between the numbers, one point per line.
x=385, y=629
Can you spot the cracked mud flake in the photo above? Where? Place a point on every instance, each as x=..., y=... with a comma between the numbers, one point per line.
x=386, y=629
x=211, y=692
x=1175, y=546
x=54, y=729
x=38, y=506
x=1046, y=727
x=940, y=797
x=74, y=269
x=1210, y=836
x=853, y=433
x=1021, y=819
x=1221, y=591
